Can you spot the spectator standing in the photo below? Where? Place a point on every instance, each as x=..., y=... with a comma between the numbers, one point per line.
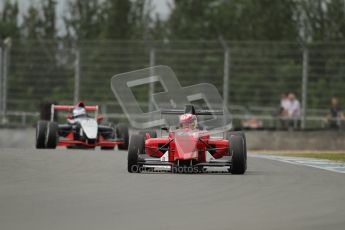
x=284, y=103
x=283, y=110
x=335, y=115
x=293, y=111
x=293, y=106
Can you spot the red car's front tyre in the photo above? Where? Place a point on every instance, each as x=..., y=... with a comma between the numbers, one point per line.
x=136, y=147
x=239, y=154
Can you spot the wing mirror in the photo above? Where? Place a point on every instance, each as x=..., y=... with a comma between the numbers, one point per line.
x=99, y=118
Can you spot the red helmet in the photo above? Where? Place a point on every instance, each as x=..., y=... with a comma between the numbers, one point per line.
x=188, y=121
x=80, y=104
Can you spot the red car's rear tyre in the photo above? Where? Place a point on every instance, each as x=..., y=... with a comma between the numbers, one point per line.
x=41, y=130
x=52, y=135
x=239, y=154
x=136, y=147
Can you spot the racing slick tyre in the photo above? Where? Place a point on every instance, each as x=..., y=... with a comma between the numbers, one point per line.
x=242, y=134
x=41, y=129
x=136, y=147
x=52, y=135
x=239, y=155
x=152, y=133
x=122, y=132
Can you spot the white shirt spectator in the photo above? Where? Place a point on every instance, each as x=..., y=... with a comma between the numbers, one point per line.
x=284, y=103
x=293, y=108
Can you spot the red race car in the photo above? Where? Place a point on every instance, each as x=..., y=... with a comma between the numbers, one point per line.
x=81, y=130
x=188, y=148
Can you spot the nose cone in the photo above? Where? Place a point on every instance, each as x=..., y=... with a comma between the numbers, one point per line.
x=90, y=127
x=186, y=145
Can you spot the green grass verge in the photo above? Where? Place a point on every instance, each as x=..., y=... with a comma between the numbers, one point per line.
x=335, y=156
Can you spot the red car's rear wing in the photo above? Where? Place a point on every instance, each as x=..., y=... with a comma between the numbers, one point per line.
x=197, y=112
x=191, y=109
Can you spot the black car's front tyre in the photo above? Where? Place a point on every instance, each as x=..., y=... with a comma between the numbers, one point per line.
x=41, y=130
x=239, y=154
x=136, y=147
x=52, y=135
x=110, y=136
x=122, y=133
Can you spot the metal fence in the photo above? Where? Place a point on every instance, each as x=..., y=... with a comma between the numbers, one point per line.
x=250, y=75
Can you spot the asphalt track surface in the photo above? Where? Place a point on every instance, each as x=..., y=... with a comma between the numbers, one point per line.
x=81, y=189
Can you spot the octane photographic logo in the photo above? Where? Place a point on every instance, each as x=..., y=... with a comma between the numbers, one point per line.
x=173, y=97
x=182, y=169
x=179, y=170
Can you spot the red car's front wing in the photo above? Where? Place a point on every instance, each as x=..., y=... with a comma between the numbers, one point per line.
x=152, y=156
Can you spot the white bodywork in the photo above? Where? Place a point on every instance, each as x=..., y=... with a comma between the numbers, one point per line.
x=165, y=156
x=89, y=127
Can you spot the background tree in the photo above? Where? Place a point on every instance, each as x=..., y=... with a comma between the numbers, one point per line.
x=49, y=19
x=256, y=20
x=104, y=31
x=140, y=20
x=9, y=20
x=115, y=17
x=190, y=20
x=233, y=20
x=83, y=20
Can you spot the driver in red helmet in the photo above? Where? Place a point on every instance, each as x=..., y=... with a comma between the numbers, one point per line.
x=188, y=121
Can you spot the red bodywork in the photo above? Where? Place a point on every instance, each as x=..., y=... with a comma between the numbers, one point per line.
x=187, y=144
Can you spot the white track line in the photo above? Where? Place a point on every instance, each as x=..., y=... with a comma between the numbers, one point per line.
x=328, y=165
